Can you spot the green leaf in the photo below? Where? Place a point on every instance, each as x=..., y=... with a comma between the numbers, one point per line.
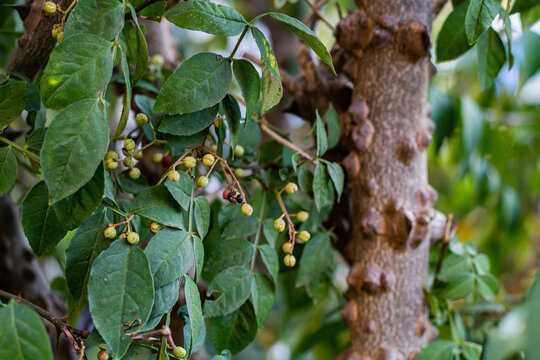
x=459, y=287
x=234, y=331
x=306, y=35
x=270, y=260
x=488, y=286
x=491, y=56
x=85, y=246
x=272, y=90
x=231, y=288
x=481, y=264
x=479, y=17
x=531, y=58
x=267, y=54
x=166, y=295
x=233, y=116
x=12, y=99
x=322, y=140
x=104, y=18
x=454, y=266
x=320, y=189
x=76, y=208
x=39, y=221
x=163, y=349
x=198, y=250
x=155, y=10
x=270, y=234
x=188, y=124
x=238, y=225
x=208, y=17
x=23, y=335
x=316, y=258
x=199, y=83
x=250, y=84
x=74, y=146
x=262, y=297
x=142, y=47
x=523, y=5
x=120, y=291
x=452, y=39
x=225, y=355
x=338, y=177
x=8, y=169
x=126, y=108
x=181, y=190
x=471, y=351
x=158, y=205
x=439, y=349
x=472, y=118
x=202, y=215
x=196, y=320
x=79, y=68
x=229, y=253
x=35, y=140
x=334, y=126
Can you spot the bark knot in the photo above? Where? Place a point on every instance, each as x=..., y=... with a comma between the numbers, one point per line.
x=412, y=40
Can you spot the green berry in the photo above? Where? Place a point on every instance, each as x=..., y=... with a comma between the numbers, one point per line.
x=218, y=121
x=304, y=236
x=213, y=147
x=286, y=247
x=110, y=232
x=133, y=238
x=138, y=154
x=127, y=152
x=302, y=216
x=155, y=227
x=289, y=260
x=291, y=188
x=49, y=7
x=239, y=150
x=202, y=181
x=157, y=60
x=157, y=157
x=247, y=209
x=239, y=173
x=141, y=119
x=60, y=37
x=279, y=225
x=111, y=155
x=111, y=164
x=190, y=161
x=57, y=28
x=102, y=355
x=128, y=162
x=129, y=144
x=174, y=176
x=135, y=173
x=208, y=159
x=179, y=352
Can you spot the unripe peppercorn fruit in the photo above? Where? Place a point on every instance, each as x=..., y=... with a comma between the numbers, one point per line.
x=133, y=238
x=127, y=152
x=286, y=247
x=158, y=60
x=141, y=119
x=304, y=236
x=202, y=181
x=110, y=232
x=289, y=260
x=135, y=173
x=213, y=147
x=247, y=209
x=239, y=150
x=208, y=159
x=103, y=355
x=279, y=225
x=157, y=157
x=291, y=188
x=174, y=176
x=218, y=121
x=138, y=154
x=155, y=227
x=190, y=161
x=129, y=144
x=239, y=173
x=302, y=216
x=57, y=28
x=111, y=155
x=111, y=164
x=49, y=7
x=128, y=162
x=179, y=352
x=60, y=37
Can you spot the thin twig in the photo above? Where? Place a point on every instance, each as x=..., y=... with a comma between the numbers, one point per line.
x=292, y=230
x=284, y=142
x=318, y=15
x=445, y=242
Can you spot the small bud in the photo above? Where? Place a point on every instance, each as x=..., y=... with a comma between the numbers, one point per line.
x=247, y=209
x=103, y=355
x=129, y=144
x=289, y=260
x=138, y=154
x=179, y=352
x=286, y=247
x=49, y=7
x=133, y=238
x=155, y=227
x=279, y=225
x=157, y=157
x=239, y=150
x=302, y=216
x=60, y=37
x=239, y=173
x=127, y=152
x=291, y=188
x=111, y=155
x=304, y=236
x=190, y=161
x=174, y=176
x=202, y=181
x=135, y=173
x=110, y=232
x=208, y=159
x=218, y=121
x=141, y=119
x=57, y=28
x=157, y=60
x=128, y=162
x=122, y=235
x=111, y=164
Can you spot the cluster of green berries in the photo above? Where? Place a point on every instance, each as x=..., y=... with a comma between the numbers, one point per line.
x=111, y=159
x=57, y=33
x=190, y=162
x=110, y=233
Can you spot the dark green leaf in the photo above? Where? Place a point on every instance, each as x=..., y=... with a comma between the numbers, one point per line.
x=202, y=215
x=40, y=224
x=85, y=246
x=8, y=169
x=250, y=84
x=334, y=126
x=233, y=116
x=452, y=40
x=439, y=349
x=531, y=58
x=199, y=83
x=225, y=355
x=188, y=124
x=479, y=17
x=320, y=189
x=127, y=97
x=12, y=98
x=523, y=5
x=270, y=259
x=79, y=68
x=155, y=10
x=23, y=335
x=491, y=56
x=208, y=17
x=158, y=205
x=231, y=288
x=234, y=331
x=453, y=267
x=262, y=297
x=316, y=258
x=120, y=291
x=322, y=140
x=181, y=190
x=267, y=54
x=104, y=18
x=272, y=90
x=459, y=287
x=35, y=141
x=338, y=177
x=74, y=146
x=229, y=253
x=196, y=320
x=198, y=250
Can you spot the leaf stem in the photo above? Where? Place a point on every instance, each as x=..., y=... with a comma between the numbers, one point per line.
x=292, y=230
x=246, y=28
x=21, y=149
x=258, y=234
x=284, y=142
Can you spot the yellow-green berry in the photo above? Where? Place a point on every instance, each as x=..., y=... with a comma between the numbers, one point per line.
x=155, y=227
x=174, y=176
x=179, y=352
x=289, y=260
x=141, y=119
x=247, y=209
x=127, y=152
x=110, y=232
x=302, y=216
x=158, y=60
x=304, y=236
x=111, y=155
x=239, y=173
x=49, y=7
x=57, y=28
x=213, y=147
x=239, y=150
x=218, y=121
x=190, y=161
x=286, y=247
x=138, y=154
x=111, y=164
x=208, y=159
x=133, y=238
x=157, y=157
x=135, y=173
x=128, y=162
x=60, y=37
x=291, y=188
x=102, y=355
x=202, y=181
x=129, y=144
x=279, y=225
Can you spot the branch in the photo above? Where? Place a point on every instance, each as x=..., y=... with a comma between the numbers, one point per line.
x=283, y=141
x=317, y=13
